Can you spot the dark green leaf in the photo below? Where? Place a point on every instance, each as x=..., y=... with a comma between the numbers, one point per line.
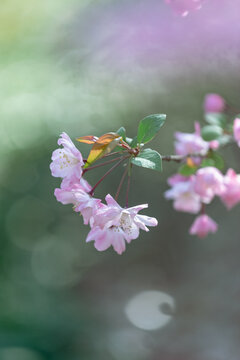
x=207, y=162
x=149, y=159
x=149, y=126
x=122, y=132
x=134, y=142
x=218, y=160
x=211, y=132
x=186, y=170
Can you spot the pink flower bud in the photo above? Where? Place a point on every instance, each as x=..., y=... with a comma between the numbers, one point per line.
x=214, y=103
x=203, y=225
x=236, y=130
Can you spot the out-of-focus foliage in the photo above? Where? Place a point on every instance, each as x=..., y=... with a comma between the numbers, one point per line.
x=88, y=68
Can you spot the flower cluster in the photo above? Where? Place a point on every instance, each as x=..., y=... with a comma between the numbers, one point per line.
x=199, y=181
x=110, y=223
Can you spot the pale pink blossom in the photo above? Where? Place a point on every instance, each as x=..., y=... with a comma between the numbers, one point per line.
x=208, y=182
x=177, y=178
x=190, y=143
x=202, y=226
x=231, y=194
x=214, y=103
x=183, y=7
x=82, y=201
x=184, y=196
x=113, y=225
x=236, y=130
x=66, y=162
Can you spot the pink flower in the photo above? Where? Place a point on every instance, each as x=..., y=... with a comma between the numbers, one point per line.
x=203, y=225
x=185, y=199
x=208, y=182
x=113, y=225
x=214, y=103
x=82, y=201
x=183, y=7
x=231, y=194
x=236, y=130
x=176, y=178
x=190, y=143
x=66, y=162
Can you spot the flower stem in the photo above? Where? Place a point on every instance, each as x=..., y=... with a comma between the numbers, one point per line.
x=102, y=164
x=179, y=158
x=121, y=183
x=106, y=174
x=128, y=183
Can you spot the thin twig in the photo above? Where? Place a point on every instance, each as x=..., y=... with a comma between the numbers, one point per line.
x=107, y=173
x=102, y=164
x=121, y=183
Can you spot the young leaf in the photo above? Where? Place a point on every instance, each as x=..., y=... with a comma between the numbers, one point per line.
x=104, y=145
x=122, y=132
x=149, y=159
x=89, y=139
x=211, y=132
x=149, y=126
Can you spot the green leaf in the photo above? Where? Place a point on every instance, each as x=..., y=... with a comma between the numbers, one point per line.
x=207, y=162
x=211, y=132
x=216, y=119
x=122, y=132
x=186, y=170
x=224, y=139
x=134, y=142
x=149, y=126
x=218, y=160
x=149, y=159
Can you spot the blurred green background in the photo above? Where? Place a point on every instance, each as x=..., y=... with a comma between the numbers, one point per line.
x=89, y=67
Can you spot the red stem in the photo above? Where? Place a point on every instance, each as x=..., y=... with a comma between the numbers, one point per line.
x=128, y=188
x=106, y=174
x=121, y=183
x=99, y=165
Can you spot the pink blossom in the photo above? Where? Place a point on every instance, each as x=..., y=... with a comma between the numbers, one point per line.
x=203, y=225
x=236, y=130
x=82, y=201
x=231, y=194
x=214, y=103
x=113, y=225
x=66, y=162
x=176, y=178
x=185, y=199
x=182, y=7
x=208, y=182
x=190, y=143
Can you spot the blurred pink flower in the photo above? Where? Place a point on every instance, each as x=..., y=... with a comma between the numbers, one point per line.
x=66, y=162
x=185, y=199
x=231, y=194
x=183, y=7
x=82, y=201
x=112, y=225
x=190, y=143
x=236, y=130
x=208, y=182
x=203, y=225
x=176, y=178
x=214, y=103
